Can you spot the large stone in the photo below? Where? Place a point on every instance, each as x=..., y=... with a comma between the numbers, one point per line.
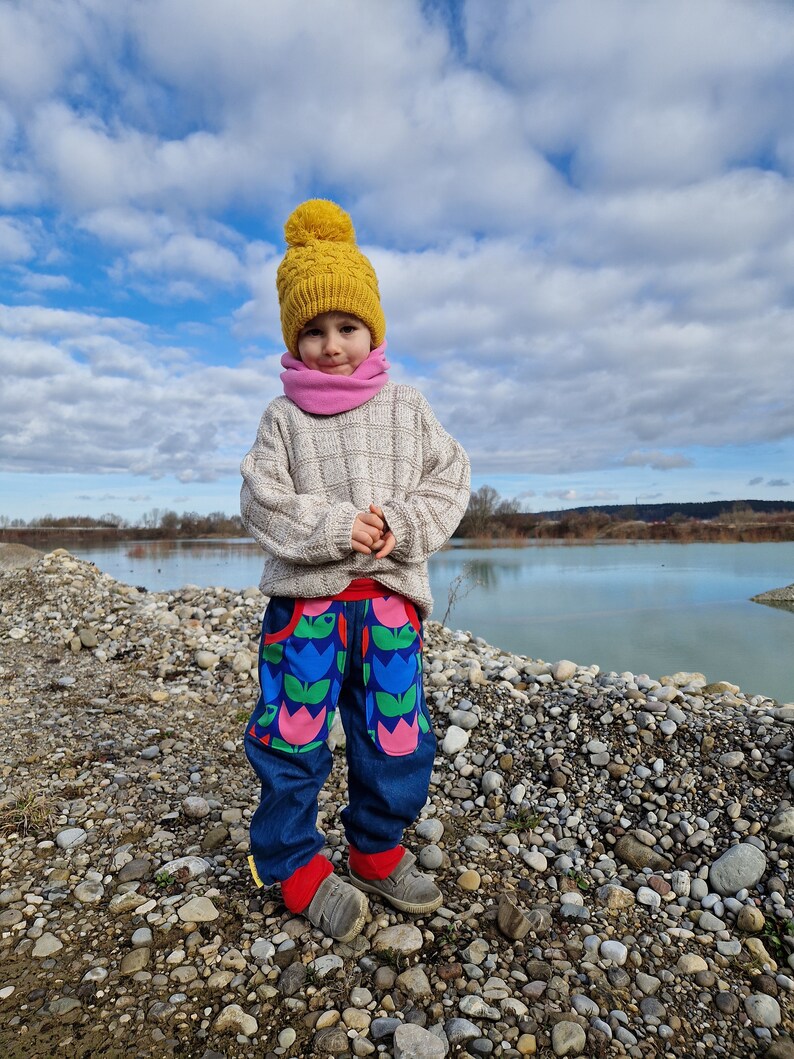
x=460, y=1031
x=198, y=910
x=46, y=945
x=89, y=892
x=563, y=670
x=739, y=868
x=455, y=740
x=135, y=961
x=195, y=807
x=781, y=826
x=763, y=1010
x=233, y=1019
x=194, y=866
x=414, y=982
x=127, y=902
x=782, y=1048
x=325, y=965
x=403, y=938
x=243, y=661
x=612, y=951
x=71, y=837
x=750, y=919
x=637, y=855
x=476, y=1007
x=614, y=896
x=568, y=1038
x=292, y=979
x=332, y=1040
x=413, y=1042
x=512, y=921
x=691, y=963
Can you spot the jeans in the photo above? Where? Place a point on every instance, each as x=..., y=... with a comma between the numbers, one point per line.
x=364, y=658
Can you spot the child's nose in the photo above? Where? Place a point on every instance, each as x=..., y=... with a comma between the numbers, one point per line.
x=332, y=345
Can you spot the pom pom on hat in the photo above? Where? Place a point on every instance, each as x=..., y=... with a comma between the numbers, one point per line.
x=324, y=271
x=319, y=219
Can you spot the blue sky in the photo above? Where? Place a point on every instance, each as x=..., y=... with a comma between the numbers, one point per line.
x=581, y=216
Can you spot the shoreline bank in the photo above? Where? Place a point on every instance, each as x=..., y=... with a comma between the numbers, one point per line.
x=613, y=851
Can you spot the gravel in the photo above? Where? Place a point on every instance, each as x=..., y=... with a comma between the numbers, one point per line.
x=613, y=850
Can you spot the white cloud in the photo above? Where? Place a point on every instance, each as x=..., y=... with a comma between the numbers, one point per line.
x=643, y=93
x=15, y=243
x=97, y=398
x=43, y=281
x=657, y=461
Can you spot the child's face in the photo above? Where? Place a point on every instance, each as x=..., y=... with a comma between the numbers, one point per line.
x=334, y=343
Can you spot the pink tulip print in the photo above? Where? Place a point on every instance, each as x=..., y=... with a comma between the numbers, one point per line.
x=390, y=611
x=300, y=728
x=313, y=607
x=403, y=740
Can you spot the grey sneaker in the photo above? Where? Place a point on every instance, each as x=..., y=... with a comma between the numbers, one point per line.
x=338, y=909
x=406, y=888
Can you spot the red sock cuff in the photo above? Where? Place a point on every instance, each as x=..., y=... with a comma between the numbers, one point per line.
x=304, y=882
x=375, y=865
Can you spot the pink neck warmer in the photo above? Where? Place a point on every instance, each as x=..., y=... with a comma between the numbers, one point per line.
x=325, y=395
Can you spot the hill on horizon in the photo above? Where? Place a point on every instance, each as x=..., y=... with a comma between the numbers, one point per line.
x=661, y=512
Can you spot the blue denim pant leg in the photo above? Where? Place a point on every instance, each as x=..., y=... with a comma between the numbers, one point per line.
x=283, y=831
x=385, y=793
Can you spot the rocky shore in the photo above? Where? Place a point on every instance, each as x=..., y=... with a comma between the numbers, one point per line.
x=613, y=849
x=783, y=595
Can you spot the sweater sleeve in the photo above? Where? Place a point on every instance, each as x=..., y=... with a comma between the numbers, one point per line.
x=302, y=528
x=425, y=520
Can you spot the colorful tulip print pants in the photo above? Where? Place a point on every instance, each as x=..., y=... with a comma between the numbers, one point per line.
x=364, y=658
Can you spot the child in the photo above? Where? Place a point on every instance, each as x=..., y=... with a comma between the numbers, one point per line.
x=350, y=486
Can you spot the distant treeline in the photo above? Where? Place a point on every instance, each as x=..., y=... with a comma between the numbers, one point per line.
x=157, y=524
x=489, y=518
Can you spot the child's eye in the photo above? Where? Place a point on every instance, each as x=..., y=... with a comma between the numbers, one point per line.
x=348, y=329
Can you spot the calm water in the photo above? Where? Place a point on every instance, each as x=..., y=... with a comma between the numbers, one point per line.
x=646, y=608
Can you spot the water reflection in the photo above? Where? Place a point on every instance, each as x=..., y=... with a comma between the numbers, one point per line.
x=778, y=604
x=230, y=548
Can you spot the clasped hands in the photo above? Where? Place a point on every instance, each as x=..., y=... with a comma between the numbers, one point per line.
x=371, y=533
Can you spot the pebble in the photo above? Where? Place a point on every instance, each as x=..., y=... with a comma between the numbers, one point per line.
x=232, y=1019
x=739, y=868
x=469, y=880
x=568, y=1038
x=403, y=938
x=454, y=740
x=413, y=1042
x=431, y=830
x=71, y=837
x=198, y=910
x=477, y=1008
x=460, y=1032
x=614, y=952
x=431, y=857
x=763, y=1010
x=46, y=945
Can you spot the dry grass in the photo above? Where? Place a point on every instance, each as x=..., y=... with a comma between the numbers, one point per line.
x=26, y=813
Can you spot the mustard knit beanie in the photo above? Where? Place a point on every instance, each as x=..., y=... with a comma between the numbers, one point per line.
x=324, y=271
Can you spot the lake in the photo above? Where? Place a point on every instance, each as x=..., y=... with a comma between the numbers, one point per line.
x=641, y=607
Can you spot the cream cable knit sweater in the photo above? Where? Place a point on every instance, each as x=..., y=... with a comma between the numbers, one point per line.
x=307, y=476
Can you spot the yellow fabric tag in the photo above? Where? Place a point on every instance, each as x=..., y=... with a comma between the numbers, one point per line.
x=254, y=872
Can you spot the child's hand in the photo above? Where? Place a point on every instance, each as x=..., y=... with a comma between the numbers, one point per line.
x=367, y=531
x=387, y=542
